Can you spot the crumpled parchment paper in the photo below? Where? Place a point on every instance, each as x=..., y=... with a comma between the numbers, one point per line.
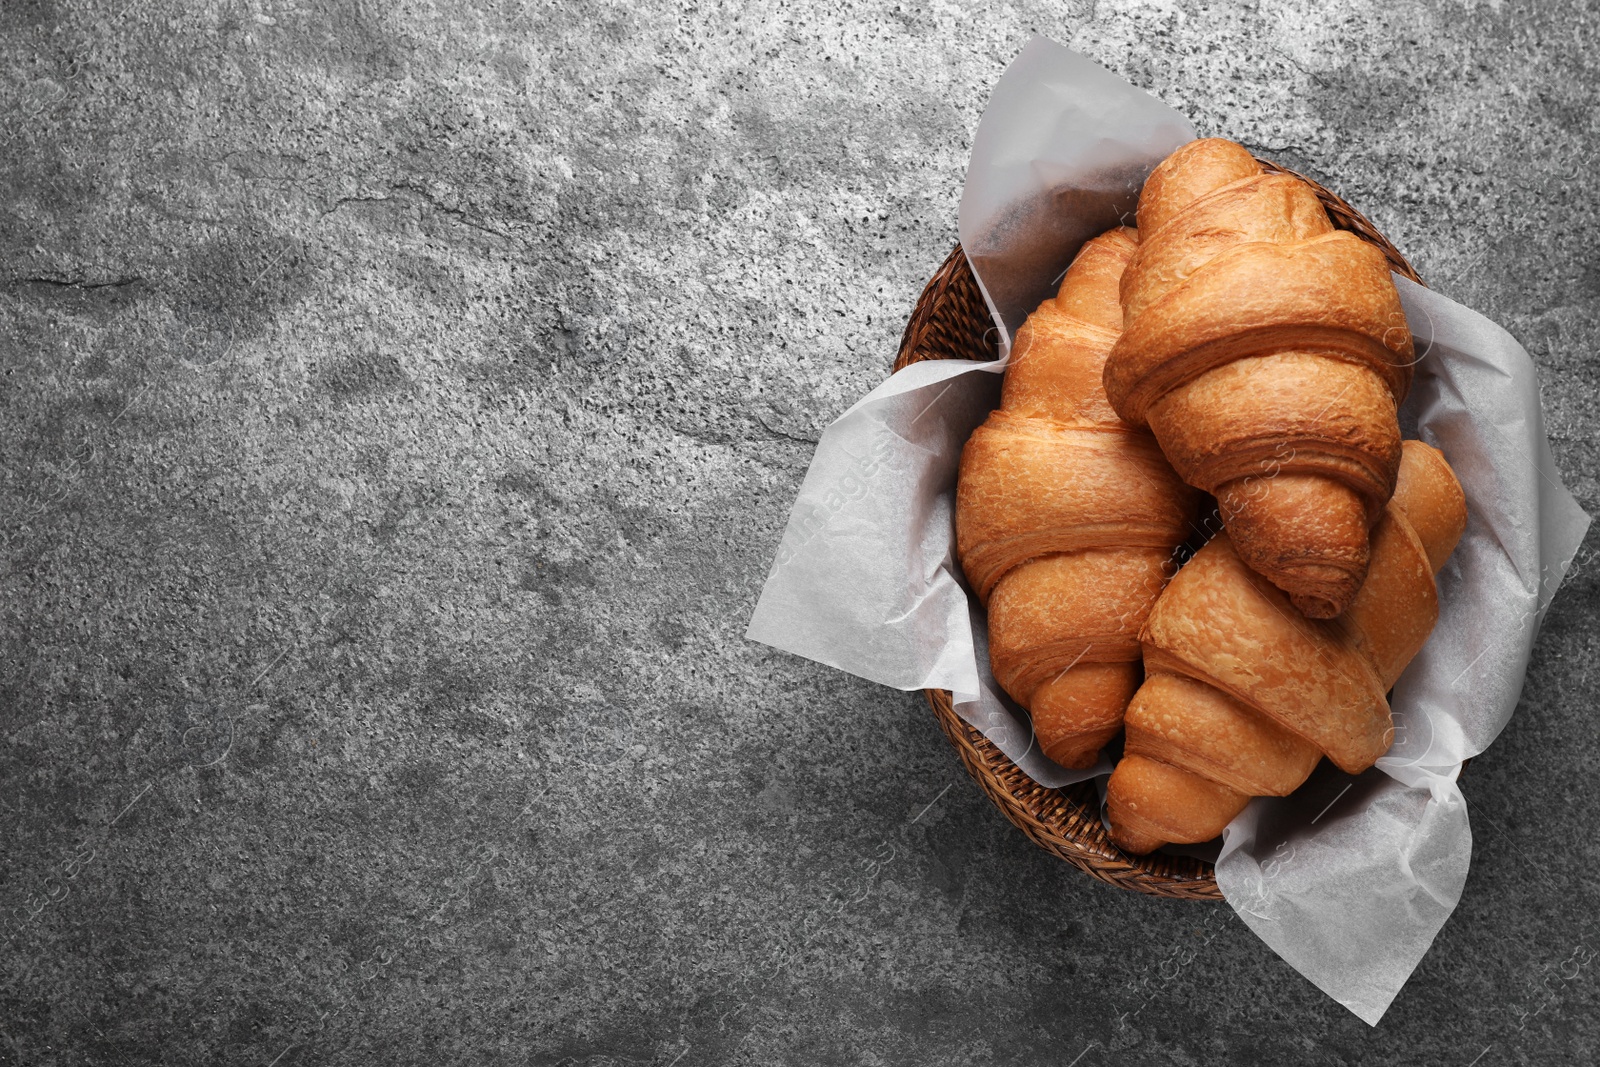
x=1349, y=879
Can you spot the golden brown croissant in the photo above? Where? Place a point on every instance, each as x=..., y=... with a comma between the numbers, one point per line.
x=1244, y=695
x=1268, y=353
x=1066, y=517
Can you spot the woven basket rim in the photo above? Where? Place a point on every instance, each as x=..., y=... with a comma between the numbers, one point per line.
x=951, y=321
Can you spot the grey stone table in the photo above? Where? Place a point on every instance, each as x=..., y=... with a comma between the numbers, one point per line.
x=401, y=406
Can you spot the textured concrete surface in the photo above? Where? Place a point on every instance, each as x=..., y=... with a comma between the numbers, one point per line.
x=400, y=409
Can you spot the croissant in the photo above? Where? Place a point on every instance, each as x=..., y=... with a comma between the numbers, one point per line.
x=1268, y=353
x=1067, y=518
x=1244, y=695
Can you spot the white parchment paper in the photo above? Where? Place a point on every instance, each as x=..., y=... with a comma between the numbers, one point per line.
x=1350, y=879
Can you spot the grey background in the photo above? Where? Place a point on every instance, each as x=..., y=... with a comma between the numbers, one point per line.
x=401, y=406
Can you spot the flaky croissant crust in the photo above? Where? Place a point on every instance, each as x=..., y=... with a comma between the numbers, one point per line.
x=1067, y=517
x=1243, y=694
x=1262, y=343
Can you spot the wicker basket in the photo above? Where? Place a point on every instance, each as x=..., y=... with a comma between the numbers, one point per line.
x=951, y=321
